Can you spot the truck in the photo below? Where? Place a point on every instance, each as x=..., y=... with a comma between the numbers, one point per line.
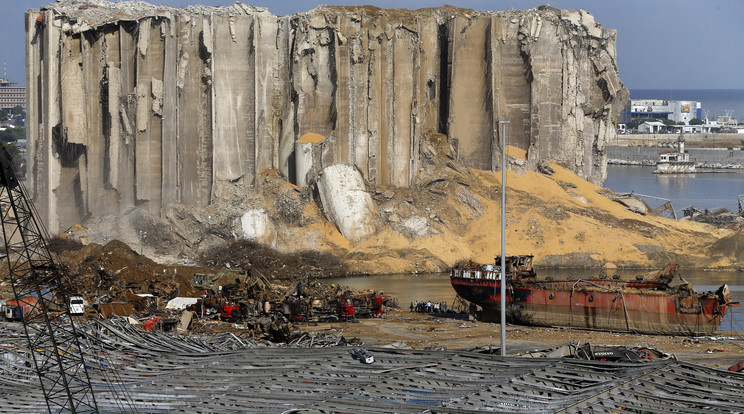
x=230, y=311
x=16, y=310
x=77, y=305
x=24, y=307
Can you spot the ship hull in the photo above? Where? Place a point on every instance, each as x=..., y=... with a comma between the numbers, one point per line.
x=598, y=304
x=680, y=167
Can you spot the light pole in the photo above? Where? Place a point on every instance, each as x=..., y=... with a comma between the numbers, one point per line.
x=142, y=236
x=503, y=236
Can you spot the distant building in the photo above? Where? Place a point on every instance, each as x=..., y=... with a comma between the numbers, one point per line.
x=652, y=127
x=11, y=95
x=726, y=120
x=660, y=110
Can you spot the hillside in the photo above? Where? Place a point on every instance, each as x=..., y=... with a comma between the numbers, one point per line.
x=560, y=218
x=452, y=213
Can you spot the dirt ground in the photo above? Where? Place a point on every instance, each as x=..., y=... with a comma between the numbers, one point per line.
x=402, y=328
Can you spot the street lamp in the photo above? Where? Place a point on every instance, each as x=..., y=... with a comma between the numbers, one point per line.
x=142, y=237
x=503, y=236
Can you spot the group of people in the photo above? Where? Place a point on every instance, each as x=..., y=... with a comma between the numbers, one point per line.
x=429, y=307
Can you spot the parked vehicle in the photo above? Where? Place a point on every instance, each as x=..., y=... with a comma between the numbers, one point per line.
x=16, y=310
x=77, y=305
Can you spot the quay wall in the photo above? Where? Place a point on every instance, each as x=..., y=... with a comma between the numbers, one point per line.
x=655, y=139
x=720, y=158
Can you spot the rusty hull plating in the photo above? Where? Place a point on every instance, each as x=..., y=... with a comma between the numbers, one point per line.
x=651, y=304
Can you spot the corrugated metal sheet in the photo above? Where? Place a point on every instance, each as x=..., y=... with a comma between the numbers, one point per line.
x=157, y=372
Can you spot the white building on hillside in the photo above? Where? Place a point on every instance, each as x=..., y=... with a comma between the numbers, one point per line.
x=653, y=127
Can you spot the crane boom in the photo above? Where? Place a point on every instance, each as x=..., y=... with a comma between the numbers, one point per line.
x=44, y=288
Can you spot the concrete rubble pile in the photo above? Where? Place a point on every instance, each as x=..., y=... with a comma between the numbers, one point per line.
x=160, y=110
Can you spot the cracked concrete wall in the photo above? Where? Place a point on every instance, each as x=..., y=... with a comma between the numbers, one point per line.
x=140, y=106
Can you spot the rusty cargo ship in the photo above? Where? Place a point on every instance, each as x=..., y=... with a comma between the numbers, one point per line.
x=655, y=303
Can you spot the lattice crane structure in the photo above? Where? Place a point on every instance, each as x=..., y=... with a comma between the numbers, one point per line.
x=43, y=288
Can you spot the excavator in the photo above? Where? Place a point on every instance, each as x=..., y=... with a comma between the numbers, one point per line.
x=53, y=341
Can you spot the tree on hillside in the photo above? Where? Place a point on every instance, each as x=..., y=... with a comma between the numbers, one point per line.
x=15, y=155
x=18, y=111
x=696, y=121
x=11, y=135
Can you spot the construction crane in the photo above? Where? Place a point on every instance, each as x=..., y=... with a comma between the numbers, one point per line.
x=43, y=289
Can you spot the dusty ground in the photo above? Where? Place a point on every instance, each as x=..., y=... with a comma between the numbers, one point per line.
x=418, y=331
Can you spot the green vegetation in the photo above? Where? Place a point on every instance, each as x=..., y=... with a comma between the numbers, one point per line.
x=696, y=121
x=18, y=110
x=11, y=135
x=18, y=161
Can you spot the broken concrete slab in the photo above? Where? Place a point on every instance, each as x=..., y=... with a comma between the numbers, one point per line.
x=346, y=202
x=181, y=303
x=184, y=322
x=256, y=226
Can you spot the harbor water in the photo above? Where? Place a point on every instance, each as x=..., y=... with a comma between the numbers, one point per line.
x=701, y=190
x=711, y=190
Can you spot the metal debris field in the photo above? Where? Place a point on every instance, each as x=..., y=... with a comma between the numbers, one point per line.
x=137, y=371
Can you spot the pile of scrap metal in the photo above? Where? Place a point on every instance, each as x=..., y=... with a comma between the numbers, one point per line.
x=304, y=300
x=266, y=310
x=614, y=353
x=248, y=302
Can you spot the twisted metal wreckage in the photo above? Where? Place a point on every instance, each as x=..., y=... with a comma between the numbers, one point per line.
x=136, y=371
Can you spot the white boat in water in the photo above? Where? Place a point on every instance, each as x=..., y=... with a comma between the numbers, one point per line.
x=674, y=162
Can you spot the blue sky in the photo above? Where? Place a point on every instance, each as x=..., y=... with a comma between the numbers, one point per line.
x=662, y=44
